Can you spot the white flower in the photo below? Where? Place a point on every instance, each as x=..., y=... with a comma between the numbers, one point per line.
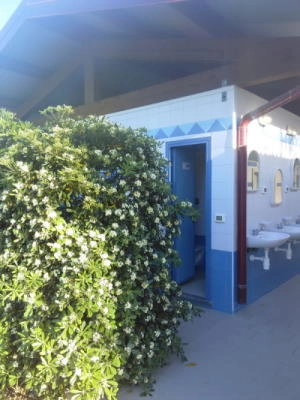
x=31, y=298
x=78, y=371
x=19, y=185
x=52, y=214
x=150, y=354
x=127, y=306
x=20, y=276
x=46, y=224
x=96, y=337
x=122, y=182
x=57, y=255
x=64, y=361
x=108, y=212
x=80, y=240
x=72, y=317
x=70, y=231
x=138, y=183
x=43, y=387
x=106, y=263
x=83, y=258
x=95, y=358
x=101, y=236
x=22, y=166
x=133, y=276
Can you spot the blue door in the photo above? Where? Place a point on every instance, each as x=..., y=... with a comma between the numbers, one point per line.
x=183, y=183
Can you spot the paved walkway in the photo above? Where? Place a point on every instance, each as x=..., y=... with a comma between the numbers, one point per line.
x=251, y=355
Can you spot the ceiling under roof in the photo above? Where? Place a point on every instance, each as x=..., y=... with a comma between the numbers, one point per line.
x=143, y=51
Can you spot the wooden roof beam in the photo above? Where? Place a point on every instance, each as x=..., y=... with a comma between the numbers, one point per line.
x=239, y=73
x=194, y=49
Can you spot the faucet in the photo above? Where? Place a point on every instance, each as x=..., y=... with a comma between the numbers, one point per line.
x=255, y=232
x=287, y=220
x=280, y=225
x=262, y=226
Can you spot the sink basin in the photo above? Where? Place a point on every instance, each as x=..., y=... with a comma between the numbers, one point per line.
x=267, y=239
x=292, y=230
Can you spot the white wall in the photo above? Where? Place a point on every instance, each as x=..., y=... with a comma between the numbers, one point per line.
x=276, y=151
x=200, y=107
x=197, y=107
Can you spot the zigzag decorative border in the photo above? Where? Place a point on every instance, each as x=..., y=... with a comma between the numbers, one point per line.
x=199, y=127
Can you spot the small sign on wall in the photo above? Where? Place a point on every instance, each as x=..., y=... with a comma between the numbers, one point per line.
x=220, y=218
x=186, y=166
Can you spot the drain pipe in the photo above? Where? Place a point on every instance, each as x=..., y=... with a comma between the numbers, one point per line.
x=242, y=131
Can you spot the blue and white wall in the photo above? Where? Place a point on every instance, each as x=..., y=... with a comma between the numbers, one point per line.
x=206, y=117
x=212, y=117
x=276, y=150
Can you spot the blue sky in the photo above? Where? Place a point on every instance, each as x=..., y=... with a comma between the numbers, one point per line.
x=7, y=7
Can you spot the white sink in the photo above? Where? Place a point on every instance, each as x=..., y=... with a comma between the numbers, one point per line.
x=292, y=230
x=267, y=239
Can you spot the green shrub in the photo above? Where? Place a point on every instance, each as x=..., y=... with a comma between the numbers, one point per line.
x=87, y=227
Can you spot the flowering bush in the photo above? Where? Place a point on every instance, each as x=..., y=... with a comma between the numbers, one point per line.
x=87, y=228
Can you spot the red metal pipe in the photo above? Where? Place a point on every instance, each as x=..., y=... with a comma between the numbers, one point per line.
x=279, y=101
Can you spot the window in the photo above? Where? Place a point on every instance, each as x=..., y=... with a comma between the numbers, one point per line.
x=253, y=172
x=296, y=175
x=278, y=187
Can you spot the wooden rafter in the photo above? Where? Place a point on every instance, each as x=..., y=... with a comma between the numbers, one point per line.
x=194, y=49
x=159, y=50
x=240, y=73
x=264, y=60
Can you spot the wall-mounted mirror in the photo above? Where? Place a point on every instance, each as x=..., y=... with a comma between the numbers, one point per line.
x=296, y=175
x=278, y=179
x=253, y=172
